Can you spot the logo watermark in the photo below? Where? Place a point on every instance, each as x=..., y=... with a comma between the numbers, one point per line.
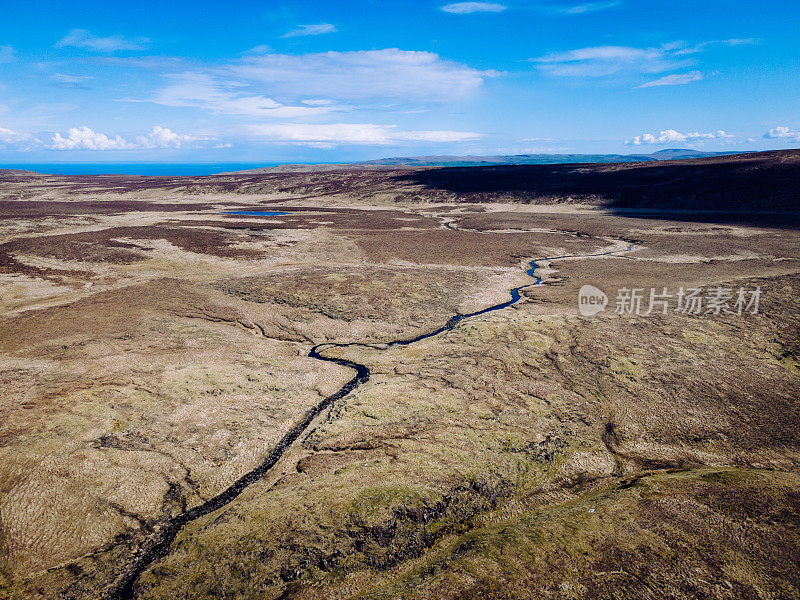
x=689, y=301
x=591, y=300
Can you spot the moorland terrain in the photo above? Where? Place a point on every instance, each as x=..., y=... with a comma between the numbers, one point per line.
x=202, y=404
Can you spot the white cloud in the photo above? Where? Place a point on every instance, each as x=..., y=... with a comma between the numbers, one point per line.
x=782, y=133
x=466, y=8
x=81, y=38
x=388, y=74
x=670, y=136
x=317, y=29
x=353, y=133
x=161, y=137
x=7, y=54
x=677, y=79
x=84, y=138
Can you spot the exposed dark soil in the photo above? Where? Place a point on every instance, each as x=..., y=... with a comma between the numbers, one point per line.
x=30, y=209
x=105, y=245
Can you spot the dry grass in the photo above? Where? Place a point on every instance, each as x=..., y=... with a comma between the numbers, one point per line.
x=152, y=350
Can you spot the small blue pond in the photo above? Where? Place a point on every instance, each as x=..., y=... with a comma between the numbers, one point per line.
x=254, y=213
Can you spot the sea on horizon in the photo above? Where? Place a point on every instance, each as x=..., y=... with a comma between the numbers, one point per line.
x=136, y=168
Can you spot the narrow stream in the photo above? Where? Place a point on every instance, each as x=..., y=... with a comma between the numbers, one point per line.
x=158, y=543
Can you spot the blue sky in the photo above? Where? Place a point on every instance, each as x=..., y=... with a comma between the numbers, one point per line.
x=321, y=81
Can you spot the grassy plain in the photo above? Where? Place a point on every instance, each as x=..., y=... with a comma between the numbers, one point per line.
x=154, y=349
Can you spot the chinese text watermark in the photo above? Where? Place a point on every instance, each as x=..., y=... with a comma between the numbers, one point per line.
x=712, y=300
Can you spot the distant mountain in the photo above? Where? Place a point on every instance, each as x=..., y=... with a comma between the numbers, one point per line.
x=490, y=161
x=539, y=159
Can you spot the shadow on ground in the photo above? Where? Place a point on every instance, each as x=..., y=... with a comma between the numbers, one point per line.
x=758, y=188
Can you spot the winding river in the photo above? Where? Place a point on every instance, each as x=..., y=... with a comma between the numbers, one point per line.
x=157, y=544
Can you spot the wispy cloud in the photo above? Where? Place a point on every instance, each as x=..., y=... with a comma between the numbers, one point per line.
x=670, y=136
x=9, y=136
x=154, y=63
x=467, y=8
x=81, y=38
x=434, y=136
x=256, y=50
x=584, y=8
x=76, y=82
x=317, y=102
x=359, y=76
x=202, y=90
x=64, y=78
x=7, y=54
x=84, y=138
x=602, y=61
x=353, y=133
x=262, y=92
x=728, y=42
x=677, y=79
x=316, y=29
x=782, y=133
